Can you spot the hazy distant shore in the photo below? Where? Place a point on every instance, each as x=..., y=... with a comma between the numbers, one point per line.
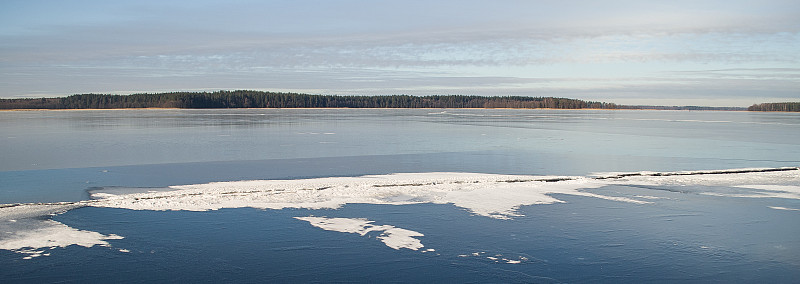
x=343, y=108
x=259, y=100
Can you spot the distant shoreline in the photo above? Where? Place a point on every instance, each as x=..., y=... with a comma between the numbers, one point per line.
x=347, y=108
x=246, y=99
x=72, y=109
x=260, y=99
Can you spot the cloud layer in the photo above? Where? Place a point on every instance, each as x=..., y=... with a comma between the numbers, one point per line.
x=618, y=51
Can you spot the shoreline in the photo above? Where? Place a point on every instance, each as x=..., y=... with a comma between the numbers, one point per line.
x=72, y=109
x=248, y=99
x=340, y=108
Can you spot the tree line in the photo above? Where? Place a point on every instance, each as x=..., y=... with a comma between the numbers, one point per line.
x=680, y=107
x=775, y=107
x=260, y=99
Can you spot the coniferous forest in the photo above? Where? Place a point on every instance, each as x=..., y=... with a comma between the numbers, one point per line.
x=260, y=99
x=775, y=107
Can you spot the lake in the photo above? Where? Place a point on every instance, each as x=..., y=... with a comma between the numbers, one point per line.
x=399, y=195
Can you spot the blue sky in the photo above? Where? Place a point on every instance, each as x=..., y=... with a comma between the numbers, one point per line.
x=714, y=53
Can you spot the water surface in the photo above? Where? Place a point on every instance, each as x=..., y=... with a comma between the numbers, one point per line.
x=695, y=232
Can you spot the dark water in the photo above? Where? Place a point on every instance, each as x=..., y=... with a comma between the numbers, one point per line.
x=682, y=237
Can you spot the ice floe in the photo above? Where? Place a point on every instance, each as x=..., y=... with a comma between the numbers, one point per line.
x=23, y=230
x=47, y=234
x=392, y=236
x=496, y=258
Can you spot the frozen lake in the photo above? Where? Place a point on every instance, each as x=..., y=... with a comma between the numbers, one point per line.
x=368, y=195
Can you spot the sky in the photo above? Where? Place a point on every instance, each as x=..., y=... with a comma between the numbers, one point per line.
x=706, y=53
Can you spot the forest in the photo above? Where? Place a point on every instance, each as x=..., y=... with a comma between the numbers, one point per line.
x=775, y=107
x=260, y=99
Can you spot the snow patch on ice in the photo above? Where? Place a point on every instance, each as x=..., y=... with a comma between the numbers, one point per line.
x=392, y=236
x=715, y=178
x=762, y=183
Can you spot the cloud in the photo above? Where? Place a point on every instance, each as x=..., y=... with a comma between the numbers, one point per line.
x=422, y=47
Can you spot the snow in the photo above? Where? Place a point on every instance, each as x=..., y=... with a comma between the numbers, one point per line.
x=51, y=234
x=495, y=196
x=490, y=195
x=392, y=236
x=755, y=176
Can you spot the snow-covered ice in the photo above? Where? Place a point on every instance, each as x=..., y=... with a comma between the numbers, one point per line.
x=392, y=236
x=489, y=195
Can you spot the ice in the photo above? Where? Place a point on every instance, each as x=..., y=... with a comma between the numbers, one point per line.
x=795, y=189
x=495, y=196
x=14, y=212
x=491, y=195
x=497, y=258
x=501, y=200
x=111, y=191
x=739, y=183
x=392, y=236
x=731, y=177
x=42, y=234
x=784, y=208
x=24, y=231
